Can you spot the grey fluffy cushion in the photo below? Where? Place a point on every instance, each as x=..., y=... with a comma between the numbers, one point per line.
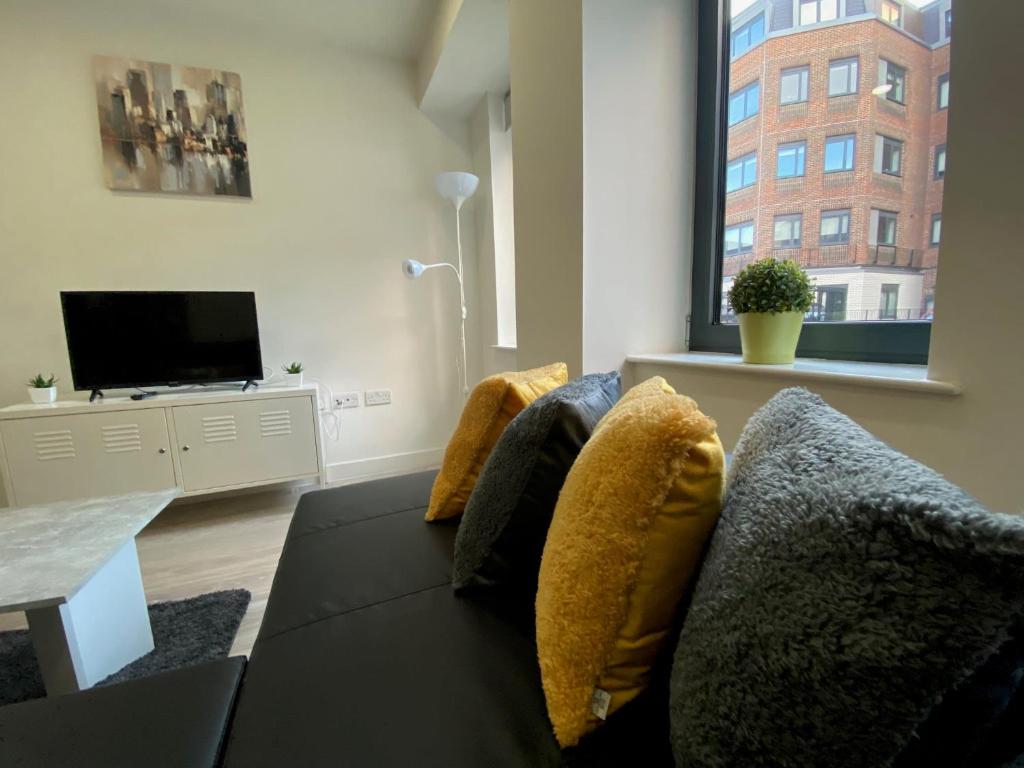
x=501, y=537
x=847, y=587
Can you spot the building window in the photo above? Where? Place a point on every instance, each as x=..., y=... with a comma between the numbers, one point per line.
x=829, y=304
x=793, y=85
x=835, y=227
x=839, y=151
x=744, y=103
x=884, y=227
x=943, y=91
x=888, y=308
x=949, y=23
x=747, y=36
x=791, y=158
x=739, y=238
x=842, y=77
x=813, y=11
x=741, y=172
x=892, y=12
x=940, y=161
x=893, y=79
x=936, y=235
x=846, y=247
x=787, y=230
x=888, y=156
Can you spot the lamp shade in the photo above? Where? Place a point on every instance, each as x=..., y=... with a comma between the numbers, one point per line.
x=456, y=186
x=412, y=268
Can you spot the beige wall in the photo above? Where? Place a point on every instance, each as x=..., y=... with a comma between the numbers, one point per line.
x=342, y=168
x=973, y=438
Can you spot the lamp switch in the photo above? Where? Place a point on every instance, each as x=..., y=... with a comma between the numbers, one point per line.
x=377, y=397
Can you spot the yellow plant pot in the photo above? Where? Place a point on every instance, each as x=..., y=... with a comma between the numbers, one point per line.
x=770, y=338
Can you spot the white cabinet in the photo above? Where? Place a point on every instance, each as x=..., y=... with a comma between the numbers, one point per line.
x=92, y=454
x=238, y=443
x=200, y=442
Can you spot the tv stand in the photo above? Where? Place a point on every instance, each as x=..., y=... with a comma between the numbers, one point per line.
x=249, y=383
x=95, y=393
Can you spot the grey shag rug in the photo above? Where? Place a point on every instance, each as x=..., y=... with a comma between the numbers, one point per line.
x=846, y=590
x=185, y=632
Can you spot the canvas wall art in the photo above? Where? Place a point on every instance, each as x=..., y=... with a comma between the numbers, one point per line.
x=175, y=129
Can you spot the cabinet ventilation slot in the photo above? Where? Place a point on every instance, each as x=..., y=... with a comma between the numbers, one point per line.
x=219, y=429
x=57, y=444
x=122, y=438
x=274, y=423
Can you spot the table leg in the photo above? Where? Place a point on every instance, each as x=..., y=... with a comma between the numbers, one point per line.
x=100, y=629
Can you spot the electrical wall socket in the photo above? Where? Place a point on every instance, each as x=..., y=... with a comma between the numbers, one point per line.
x=347, y=400
x=377, y=397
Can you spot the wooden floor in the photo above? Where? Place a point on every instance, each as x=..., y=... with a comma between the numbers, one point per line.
x=221, y=543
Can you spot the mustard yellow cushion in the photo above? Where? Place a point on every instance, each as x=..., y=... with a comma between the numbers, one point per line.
x=492, y=404
x=631, y=522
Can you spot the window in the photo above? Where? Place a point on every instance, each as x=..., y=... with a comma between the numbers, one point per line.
x=839, y=153
x=892, y=12
x=747, y=36
x=949, y=23
x=791, y=159
x=943, y=91
x=829, y=304
x=739, y=238
x=853, y=241
x=888, y=308
x=888, y=156
x=842, y=77
x=793, y=85
x=884, y=227
x=813, y=11
x=936, y=229
x=744, y=103
x=835, y=227
x=787, y=230
x=741, y=172
x=894, y=79
x=940, y=161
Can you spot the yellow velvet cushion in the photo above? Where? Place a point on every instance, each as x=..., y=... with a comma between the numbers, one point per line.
x=492, y=404
x=628, y=531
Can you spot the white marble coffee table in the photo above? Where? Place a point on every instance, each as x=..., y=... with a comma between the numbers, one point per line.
x=72, y=567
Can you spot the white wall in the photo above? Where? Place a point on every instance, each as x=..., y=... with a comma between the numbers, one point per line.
x=342, y=167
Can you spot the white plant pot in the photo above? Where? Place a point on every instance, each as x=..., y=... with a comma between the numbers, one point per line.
x=42, y=395
x=293, y=379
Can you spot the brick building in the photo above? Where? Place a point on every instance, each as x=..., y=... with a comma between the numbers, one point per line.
x=836, y=149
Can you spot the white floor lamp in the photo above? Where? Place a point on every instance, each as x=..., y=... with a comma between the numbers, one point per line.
x=457, y=187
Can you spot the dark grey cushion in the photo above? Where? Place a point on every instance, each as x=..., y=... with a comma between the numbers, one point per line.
x=501, y=536
x=847, y=588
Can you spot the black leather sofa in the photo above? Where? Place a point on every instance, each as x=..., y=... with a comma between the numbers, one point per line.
x=365, y=657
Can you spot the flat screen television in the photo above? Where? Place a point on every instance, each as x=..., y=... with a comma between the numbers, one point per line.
x=150, y=338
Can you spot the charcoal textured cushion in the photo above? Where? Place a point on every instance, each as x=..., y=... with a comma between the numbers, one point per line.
x=846, y=590
x=501, y=536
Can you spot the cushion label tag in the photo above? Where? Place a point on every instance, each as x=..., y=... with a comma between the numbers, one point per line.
x=599, y=703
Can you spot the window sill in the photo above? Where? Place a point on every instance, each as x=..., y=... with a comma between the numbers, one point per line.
x=913, y=378
x=504, y=347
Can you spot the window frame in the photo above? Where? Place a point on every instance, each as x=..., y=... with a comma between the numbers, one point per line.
x=817, y=12
x=937, y=175
x=889, y=289
x=745, y=93
x=790, y=244
x=845, y=137
x=883, y=5
x=799, y=161
x=740, y=225
x=742, y=159
x=747, y=27
x=932, y=240
x=894, y=145
x=835, y=213
x=942, y=80
x=848, y=61
x=883, y=213
x=874, y=341
x=803, y=74
x=889, y=66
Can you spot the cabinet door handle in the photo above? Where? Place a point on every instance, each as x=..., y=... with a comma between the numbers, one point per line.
x=185, y=448
x=162, y=450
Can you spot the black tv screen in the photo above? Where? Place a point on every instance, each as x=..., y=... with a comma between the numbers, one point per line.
x=146, y=338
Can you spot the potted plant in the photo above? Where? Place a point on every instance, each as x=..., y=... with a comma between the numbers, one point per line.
x=42, y=389
x=292, y=374
x=770, y=298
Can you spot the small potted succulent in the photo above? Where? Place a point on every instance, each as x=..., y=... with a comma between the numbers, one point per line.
x=42, y=389
x=770, y=298
x=292, y=374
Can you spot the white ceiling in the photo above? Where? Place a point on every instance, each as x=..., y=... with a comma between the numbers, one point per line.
x=393, y=28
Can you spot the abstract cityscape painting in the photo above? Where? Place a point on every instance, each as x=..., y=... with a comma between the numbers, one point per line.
x=167, y=128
